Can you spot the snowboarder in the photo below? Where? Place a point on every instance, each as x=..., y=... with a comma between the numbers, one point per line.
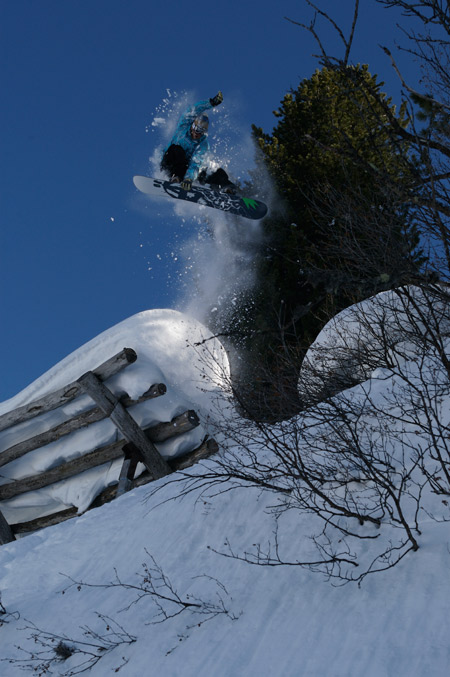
x=184, y=158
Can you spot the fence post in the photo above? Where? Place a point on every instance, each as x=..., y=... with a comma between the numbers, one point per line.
x=109, y=403
x=132, y=458
x=6, y=534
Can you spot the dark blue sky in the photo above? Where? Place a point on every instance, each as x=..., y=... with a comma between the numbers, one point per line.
x=81, y=81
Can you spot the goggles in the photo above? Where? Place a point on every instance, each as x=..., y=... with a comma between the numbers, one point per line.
x=197, y=129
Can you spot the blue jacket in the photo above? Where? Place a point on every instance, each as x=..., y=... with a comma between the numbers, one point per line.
x=195, y=150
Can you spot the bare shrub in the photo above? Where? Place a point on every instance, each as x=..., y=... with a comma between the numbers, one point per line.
x=80, y=654
x=362, y=467
x=6, y=616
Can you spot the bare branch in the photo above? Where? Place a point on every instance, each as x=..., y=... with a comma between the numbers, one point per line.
x=311, y=29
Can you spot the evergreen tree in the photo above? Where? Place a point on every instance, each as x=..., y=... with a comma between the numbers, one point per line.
x=345, y=232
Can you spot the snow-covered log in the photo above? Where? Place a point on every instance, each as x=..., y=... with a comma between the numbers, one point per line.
x=158, y=433
x=124, y=422
x=206, y=449
x=76, y=423
x=67, y=393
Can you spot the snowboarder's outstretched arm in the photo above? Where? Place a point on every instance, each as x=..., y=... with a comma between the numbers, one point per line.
x=200, y=107
x=216, y=100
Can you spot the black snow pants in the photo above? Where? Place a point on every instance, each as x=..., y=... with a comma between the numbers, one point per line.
x=175, y=163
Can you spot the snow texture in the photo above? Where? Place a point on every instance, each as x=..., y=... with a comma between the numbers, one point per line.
x=280, y=621
x=353, y=344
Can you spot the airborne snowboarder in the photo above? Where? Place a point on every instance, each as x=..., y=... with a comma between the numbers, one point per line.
x=184, y=158
x=184, y=161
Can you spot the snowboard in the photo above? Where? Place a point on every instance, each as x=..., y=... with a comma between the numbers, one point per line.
x=233, y=204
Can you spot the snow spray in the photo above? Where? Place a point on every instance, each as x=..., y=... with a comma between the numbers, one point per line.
x=217, y=259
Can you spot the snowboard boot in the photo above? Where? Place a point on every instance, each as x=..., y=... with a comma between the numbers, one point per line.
x=201, y=178
x=219, y=181
x=230, y=189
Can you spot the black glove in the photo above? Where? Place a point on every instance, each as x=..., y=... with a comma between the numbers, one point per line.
x=186, y=184
x=216, y=99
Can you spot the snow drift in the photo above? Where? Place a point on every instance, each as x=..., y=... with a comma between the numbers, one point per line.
x=362, y=337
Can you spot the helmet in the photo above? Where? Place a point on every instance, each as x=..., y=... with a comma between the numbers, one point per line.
x=200, y=124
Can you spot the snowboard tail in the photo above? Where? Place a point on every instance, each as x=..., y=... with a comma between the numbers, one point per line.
x=233, y=204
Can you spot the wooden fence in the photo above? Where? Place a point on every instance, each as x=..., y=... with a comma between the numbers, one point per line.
x=135, y=444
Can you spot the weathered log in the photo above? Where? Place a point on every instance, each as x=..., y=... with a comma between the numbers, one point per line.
x=94, y=458
x=206, y=449
x=124, y=480
x=46, y=521
x=61, y=472
x=132, y=458
x=76, y=423
x=156, y=390
x=67, y=393
x=177, y=426
x=123, y=420
x=21, y=448
x=158, y=433
x=6, y=534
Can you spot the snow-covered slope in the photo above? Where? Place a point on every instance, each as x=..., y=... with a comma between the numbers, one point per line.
x=357, y=340
x=288, y=621
x=251, y=621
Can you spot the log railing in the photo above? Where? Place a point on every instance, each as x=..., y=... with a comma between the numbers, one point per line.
x=134, y=444
x=70, y=392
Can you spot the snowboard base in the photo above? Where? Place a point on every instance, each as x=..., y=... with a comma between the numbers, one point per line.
x=233, y=204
